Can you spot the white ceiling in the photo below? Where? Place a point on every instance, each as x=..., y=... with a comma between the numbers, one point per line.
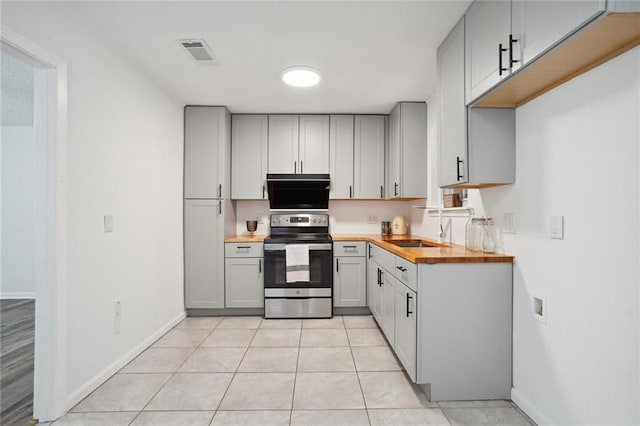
x=371, y=53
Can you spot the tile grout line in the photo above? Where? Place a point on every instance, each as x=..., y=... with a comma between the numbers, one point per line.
x=364, y=400
x=295, y=374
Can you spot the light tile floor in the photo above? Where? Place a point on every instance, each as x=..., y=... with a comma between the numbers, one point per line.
x=252, y=371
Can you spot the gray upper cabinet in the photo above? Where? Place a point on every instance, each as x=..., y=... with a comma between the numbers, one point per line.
x=357, y=146
x=283, y=144
x=477, y=145
x=407, y=151
x=205, y=131
x=488, y=25
x=368, y=166
x=504, y=36
x=538, y=25
x=453, y=112
x=249, y=156
x=204, y=257
x=341, y=161
x=298, y=144
x=313, y=152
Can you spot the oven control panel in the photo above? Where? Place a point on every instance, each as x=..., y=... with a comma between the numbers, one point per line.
x=300, y=219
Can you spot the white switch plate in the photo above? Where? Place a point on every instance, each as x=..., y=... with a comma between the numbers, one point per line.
x=557, y=227
x=108, y=223
x=509, y=223
x=372, y=218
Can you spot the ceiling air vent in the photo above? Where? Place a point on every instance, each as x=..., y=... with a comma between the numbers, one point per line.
x=199, y=51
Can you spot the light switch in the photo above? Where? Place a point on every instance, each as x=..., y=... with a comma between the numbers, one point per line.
x=557, y=227
x=108, y=223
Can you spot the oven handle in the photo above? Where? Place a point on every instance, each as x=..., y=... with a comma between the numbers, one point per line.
x=314, y=247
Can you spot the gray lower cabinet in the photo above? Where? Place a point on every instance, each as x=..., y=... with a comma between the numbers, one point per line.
x=448, y=324
x=203, y=248
x=350, y=274
x=244, y=277
x=406, y=325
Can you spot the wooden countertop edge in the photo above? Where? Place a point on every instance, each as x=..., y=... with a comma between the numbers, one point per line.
x=245, y=239
x=442, y=253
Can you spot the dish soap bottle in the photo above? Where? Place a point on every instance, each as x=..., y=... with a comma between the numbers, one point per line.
x=489, y=243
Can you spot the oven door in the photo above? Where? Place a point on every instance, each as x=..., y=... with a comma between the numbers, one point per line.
x=320, y=267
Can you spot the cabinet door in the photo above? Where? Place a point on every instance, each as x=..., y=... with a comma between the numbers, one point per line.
x=413, y=150
x=350, y=281
x=283, y=144
x=393, y=159
x=488, y=24
x=375, y=291
x=453, y=112
x=313, y=153
x=244, y=285
x=538, y=25
x=249, y=156
x=204, y=254
x=406, y=327
x=341, y=149
x=369, y=137
x=203, y=134
x=388, y=306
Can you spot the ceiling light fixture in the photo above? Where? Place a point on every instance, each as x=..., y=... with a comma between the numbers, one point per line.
x=301, y=76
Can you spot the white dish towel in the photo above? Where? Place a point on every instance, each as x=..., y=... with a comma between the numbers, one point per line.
x=297, y=262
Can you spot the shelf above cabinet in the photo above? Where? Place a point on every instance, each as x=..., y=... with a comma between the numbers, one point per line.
x=597, y=43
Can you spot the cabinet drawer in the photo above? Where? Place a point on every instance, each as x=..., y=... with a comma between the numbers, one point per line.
x=406, y=272
x=349, y=249
x=384, y=258
x=243, y=250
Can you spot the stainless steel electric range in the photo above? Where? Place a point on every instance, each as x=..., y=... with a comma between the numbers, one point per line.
x=312, y=298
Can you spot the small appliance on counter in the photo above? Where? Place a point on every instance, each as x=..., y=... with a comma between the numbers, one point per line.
x=399, y=225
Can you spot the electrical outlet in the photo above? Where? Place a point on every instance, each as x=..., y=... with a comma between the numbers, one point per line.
x=539, y=305
x=557, y=227
x=108, y=223
x=509, y=223
x=117, y=325
x=372, y=218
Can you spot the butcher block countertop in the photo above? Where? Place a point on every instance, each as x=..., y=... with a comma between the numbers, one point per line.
x=245, y=239
x=441, y=253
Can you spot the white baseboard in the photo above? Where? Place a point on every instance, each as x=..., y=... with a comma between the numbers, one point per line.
x=28, y=295
x=523, y=403
x=84, y=390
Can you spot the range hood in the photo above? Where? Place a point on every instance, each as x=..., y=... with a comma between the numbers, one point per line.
x=295, y=192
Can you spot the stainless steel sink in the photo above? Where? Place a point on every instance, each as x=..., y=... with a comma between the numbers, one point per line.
x=410, y=244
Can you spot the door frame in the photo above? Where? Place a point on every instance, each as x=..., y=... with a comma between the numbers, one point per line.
x=50, y=118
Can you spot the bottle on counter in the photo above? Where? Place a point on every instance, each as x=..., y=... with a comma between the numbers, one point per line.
x=489, y=242
x=468, y=235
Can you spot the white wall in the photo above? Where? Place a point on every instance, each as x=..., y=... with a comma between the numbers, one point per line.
x=124, y=158
x=18, y=277
x=577, y=155
x=345, y=216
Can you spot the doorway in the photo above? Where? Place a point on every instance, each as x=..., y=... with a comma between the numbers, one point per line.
x=32, y=231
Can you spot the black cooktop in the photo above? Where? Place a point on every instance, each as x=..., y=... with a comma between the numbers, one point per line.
x=298, y=238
